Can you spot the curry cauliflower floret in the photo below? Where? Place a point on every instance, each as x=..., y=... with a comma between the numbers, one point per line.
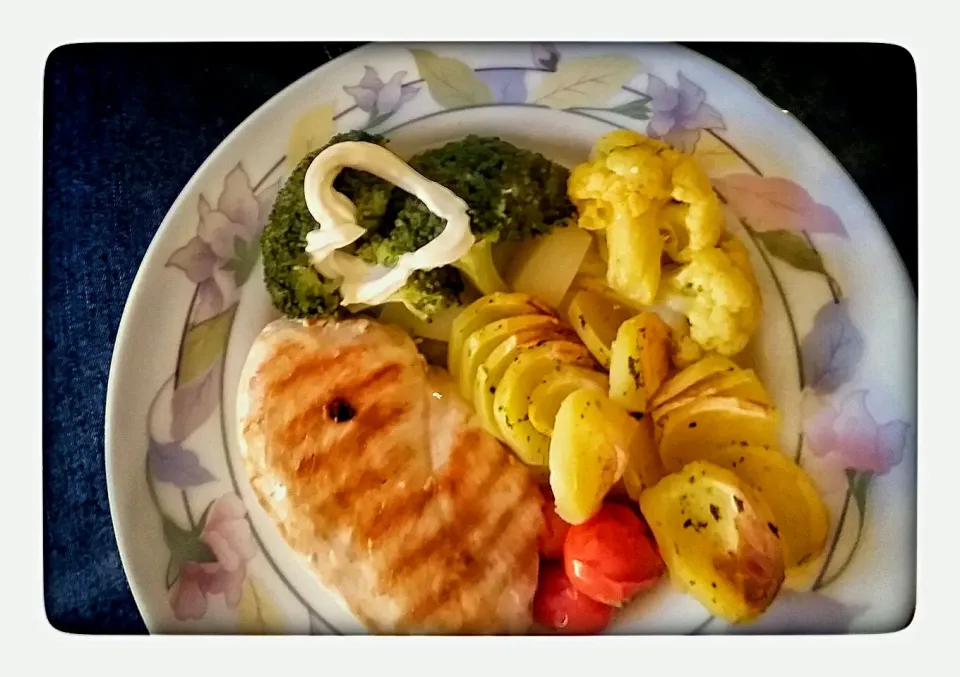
x=702, y=216
x=634, y=248
x=633, y=179
x=718, y=293
x=624, y=180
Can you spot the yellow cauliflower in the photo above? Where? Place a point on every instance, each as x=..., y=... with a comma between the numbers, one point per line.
x=684, y=351
x=649, y=199
x=699, y=212
x=623, y=175
x=718, y=293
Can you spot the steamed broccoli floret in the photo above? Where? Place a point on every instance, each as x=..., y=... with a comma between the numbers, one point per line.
x=479, y=267
x=512, y=194
x=295, y=287
x=427, y=292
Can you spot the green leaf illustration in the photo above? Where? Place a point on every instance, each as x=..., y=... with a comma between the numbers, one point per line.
x=452, y=83
x=245, y=256
x=587, y=81
x=638, y=109
x=859, y=484
x=203, y=344
x=185, y=545
x=173, y=571
x=793, y=249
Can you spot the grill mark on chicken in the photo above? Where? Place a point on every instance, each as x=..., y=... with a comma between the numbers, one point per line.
x=459, y=571
x=495, y=534
x=464, y=514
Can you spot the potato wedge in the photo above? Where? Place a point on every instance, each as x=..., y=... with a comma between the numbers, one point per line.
x=596, y=320
x=546, y=267
x=644, y=467
x=796, y=505
x=690, y=376
x=718, y=539
x=639, y=360
x=546, y=398
x=493, y=368
x=485, y=340
x=511, y=401
x=741, y=383
x=483, y=311
x=588, y=452
x=714, y=422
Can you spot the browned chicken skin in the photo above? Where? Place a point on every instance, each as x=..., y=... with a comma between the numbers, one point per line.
x=378, y=473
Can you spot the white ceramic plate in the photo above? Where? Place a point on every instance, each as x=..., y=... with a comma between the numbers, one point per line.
x=837, y=346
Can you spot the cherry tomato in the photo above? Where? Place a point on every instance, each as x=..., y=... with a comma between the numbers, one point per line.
x=560, y=606
x=554, y=530
x=612, y=557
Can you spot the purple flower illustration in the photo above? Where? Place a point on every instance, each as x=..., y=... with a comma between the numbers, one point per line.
x=223, y=241
x=228, y=536
x=679, y=113
x=381, y=99
x=849, y=435
x=507, y=86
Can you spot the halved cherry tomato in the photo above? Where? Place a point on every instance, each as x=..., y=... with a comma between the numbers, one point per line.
x=560, y=606
x=554, y=529
x=612, y=557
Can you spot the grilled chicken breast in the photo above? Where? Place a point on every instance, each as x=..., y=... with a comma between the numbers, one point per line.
x=379, y=475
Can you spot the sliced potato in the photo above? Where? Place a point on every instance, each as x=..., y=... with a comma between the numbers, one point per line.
x=717, y=422
x=718, y=538
x=484, y=341
x=796, y=505
x=546, y=267
x=493, y=368
x=740, y=383
x=511, y=401
x=690, y=376
x=596, y=320
x=546, y=398
x=483, y=311
x=588, y=452
x=639, y=360
x=644, y=468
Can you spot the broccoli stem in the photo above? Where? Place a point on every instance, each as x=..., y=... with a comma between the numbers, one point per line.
x=477, y=264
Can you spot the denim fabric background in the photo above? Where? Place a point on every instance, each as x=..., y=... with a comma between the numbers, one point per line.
x=127, y=126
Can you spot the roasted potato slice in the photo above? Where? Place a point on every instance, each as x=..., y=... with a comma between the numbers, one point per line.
x=549, y=394
x=716, y=422
x=639, y=360
x=690, y=376
x=740, y=383
x=511, y=401
x=483, y=311
x=493, y=368
x=589, y=451
x=718, y=539
x=485, y=340
x=596, y=320
x=644, y=468
x=796, y=505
